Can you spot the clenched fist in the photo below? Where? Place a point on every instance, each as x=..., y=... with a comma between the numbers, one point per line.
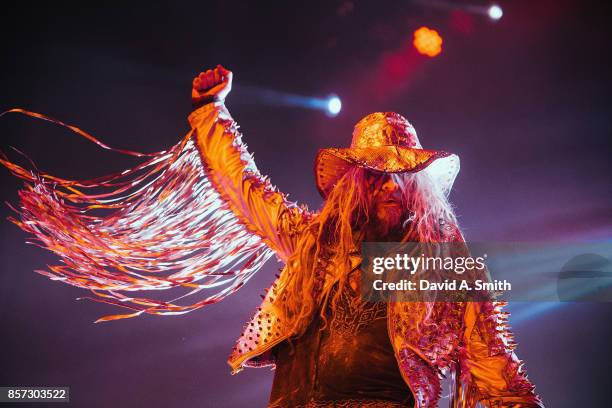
x=211, y=86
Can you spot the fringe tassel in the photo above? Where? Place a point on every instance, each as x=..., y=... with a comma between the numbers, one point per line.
x=157, y=226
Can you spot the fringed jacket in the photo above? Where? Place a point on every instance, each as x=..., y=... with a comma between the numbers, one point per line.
x=469, y=340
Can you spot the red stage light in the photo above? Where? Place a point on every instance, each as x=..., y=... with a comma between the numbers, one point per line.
x=427, y=41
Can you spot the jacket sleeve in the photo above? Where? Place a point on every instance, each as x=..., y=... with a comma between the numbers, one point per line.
x=489, y=367
x=257, y=204
x=490, y=372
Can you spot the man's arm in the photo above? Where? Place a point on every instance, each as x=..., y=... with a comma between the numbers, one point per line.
x=493, y=370
x=489, y=368
x=259, y=206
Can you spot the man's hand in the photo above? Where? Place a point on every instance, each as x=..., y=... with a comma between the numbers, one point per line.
x=211, y=86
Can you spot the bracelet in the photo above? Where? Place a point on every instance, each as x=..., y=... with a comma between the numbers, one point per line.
x=204, y=101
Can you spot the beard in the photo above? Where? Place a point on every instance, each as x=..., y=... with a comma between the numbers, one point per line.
x=387, y=223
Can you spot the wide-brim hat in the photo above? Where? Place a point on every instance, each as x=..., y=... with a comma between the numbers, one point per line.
x=385, y=142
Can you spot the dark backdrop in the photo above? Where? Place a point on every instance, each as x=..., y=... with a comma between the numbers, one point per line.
x=524, y=102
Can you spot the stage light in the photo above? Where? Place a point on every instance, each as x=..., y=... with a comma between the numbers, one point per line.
x=334, y=105
x=427, y=41
x=495, y=12
x=330, y=104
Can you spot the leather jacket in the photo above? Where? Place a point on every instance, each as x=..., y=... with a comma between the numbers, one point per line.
x=466, y=339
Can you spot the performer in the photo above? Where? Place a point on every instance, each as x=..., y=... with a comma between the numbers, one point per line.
x=201, y=216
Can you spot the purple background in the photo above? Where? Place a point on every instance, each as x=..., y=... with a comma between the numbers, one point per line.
x=524, y=102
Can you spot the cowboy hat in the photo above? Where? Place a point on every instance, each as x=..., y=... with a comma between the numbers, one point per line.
x=385, y=142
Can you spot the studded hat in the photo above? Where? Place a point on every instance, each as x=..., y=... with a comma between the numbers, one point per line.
x=385, y=142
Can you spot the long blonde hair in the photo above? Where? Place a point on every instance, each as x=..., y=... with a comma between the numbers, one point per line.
x=340, y=227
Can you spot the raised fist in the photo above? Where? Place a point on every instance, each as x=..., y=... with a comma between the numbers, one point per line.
x=211, y=86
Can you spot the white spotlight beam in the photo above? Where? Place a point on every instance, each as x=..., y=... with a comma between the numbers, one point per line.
x=331, y=105
x=493, y=11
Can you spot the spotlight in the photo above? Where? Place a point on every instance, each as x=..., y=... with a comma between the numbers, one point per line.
x=427, y=41
x=334, y=105
x=495, y=12
x=330, y=104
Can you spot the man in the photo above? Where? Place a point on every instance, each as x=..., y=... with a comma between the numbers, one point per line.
x=329, y=347
x=201, y=216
